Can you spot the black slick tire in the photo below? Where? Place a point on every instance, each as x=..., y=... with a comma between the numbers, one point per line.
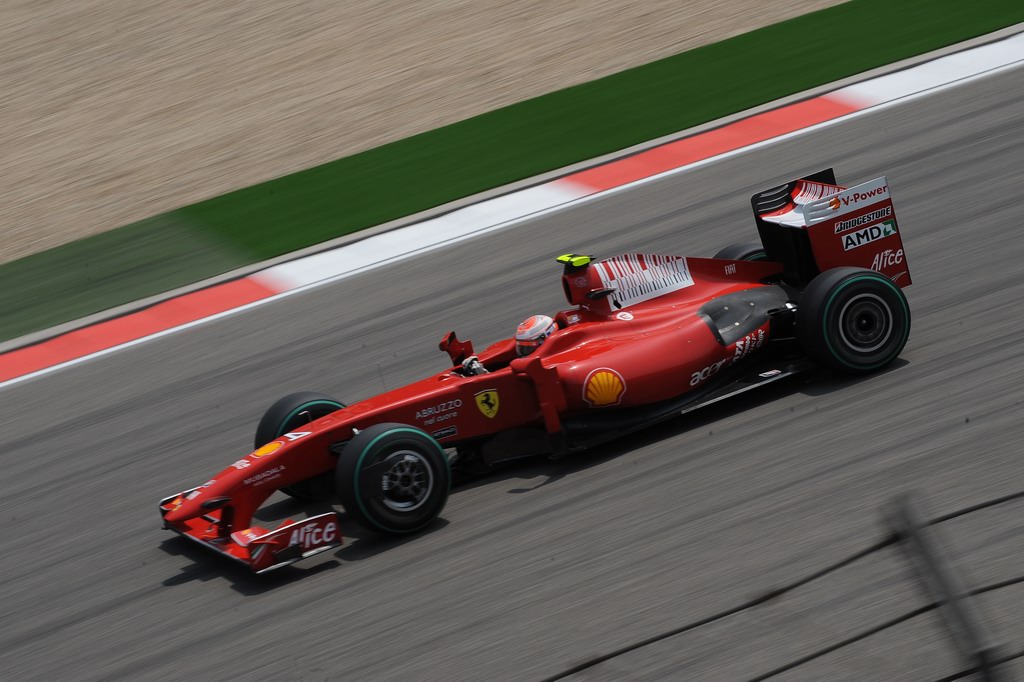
x=393, y=479
x=742, y=251
x=289, y=414
x=853, y=320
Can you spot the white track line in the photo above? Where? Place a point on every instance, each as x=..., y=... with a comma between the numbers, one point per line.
x=876, y=94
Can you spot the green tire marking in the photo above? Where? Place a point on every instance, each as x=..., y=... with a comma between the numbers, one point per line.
x=831, y=299
x=359, y=467
x=304, y=406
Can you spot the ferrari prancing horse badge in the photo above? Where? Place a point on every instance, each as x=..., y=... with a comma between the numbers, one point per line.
x=487, y=401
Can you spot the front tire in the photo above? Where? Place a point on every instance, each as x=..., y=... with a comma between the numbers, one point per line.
x=288, y=414
x=393, y=478
x=853, y=320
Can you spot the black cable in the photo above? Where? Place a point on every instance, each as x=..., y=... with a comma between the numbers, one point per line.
x=1006, y=659
x=889, y=624
x=996, y=586
x=590, y=663
x=982, y=590
x=977, y=507
x=768, y=596
x=970, y=671
x=846, y=642
x=881, y=544
x=772, y=594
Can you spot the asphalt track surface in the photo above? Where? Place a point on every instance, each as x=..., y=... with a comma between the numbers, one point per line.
x=542, y=565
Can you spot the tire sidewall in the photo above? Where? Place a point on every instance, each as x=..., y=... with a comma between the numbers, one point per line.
x=821, y=321
x=374, y=445
x=752, y=251
x=280, y=418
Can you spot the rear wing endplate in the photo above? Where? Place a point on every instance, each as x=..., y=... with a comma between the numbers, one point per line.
x=813, y=224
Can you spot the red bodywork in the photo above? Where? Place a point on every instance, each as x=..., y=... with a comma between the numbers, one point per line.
x=634, y=338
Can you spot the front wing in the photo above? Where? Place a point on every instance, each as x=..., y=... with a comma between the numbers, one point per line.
x=260, y=549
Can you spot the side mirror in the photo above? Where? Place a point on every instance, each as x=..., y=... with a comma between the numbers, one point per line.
x=456, y=350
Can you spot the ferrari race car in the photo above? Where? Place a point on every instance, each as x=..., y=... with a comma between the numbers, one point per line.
x=647, y=337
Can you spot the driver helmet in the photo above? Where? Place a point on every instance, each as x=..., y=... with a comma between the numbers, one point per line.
x=532, y=332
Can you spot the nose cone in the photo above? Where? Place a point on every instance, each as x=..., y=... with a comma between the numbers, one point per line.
x=181, y=509
x=192, y=504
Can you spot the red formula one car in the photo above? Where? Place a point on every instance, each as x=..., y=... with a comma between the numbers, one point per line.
x=648, y=337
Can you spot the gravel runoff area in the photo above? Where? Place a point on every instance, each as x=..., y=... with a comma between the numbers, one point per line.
x=545, y=564
x=112, y=111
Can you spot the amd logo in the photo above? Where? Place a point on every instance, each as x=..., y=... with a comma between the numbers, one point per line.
x=870, y=234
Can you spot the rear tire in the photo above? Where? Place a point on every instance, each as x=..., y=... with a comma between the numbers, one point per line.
x=288, y=414
x=742, y=251
x=853, y=320
x=393, y=478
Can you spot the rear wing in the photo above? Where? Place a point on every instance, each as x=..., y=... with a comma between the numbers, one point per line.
x=813, y=224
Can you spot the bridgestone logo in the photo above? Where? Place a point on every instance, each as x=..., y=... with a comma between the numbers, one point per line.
x=844, y=225
x=859, y=238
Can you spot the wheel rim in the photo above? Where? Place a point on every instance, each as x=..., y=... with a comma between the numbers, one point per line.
x=409, y=482
x=865, y=323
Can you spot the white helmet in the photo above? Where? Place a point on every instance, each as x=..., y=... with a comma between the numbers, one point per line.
x=532, y=332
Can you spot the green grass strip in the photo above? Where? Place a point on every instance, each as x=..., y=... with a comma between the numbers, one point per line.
x=486, y=151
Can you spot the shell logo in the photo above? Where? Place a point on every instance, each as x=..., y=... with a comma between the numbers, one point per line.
x=604, y=387
x=833, y=203
x=268, y=449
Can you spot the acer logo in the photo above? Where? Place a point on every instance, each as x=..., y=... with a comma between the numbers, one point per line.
x=708, y=371
x=887, y=259
x=312, y=535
